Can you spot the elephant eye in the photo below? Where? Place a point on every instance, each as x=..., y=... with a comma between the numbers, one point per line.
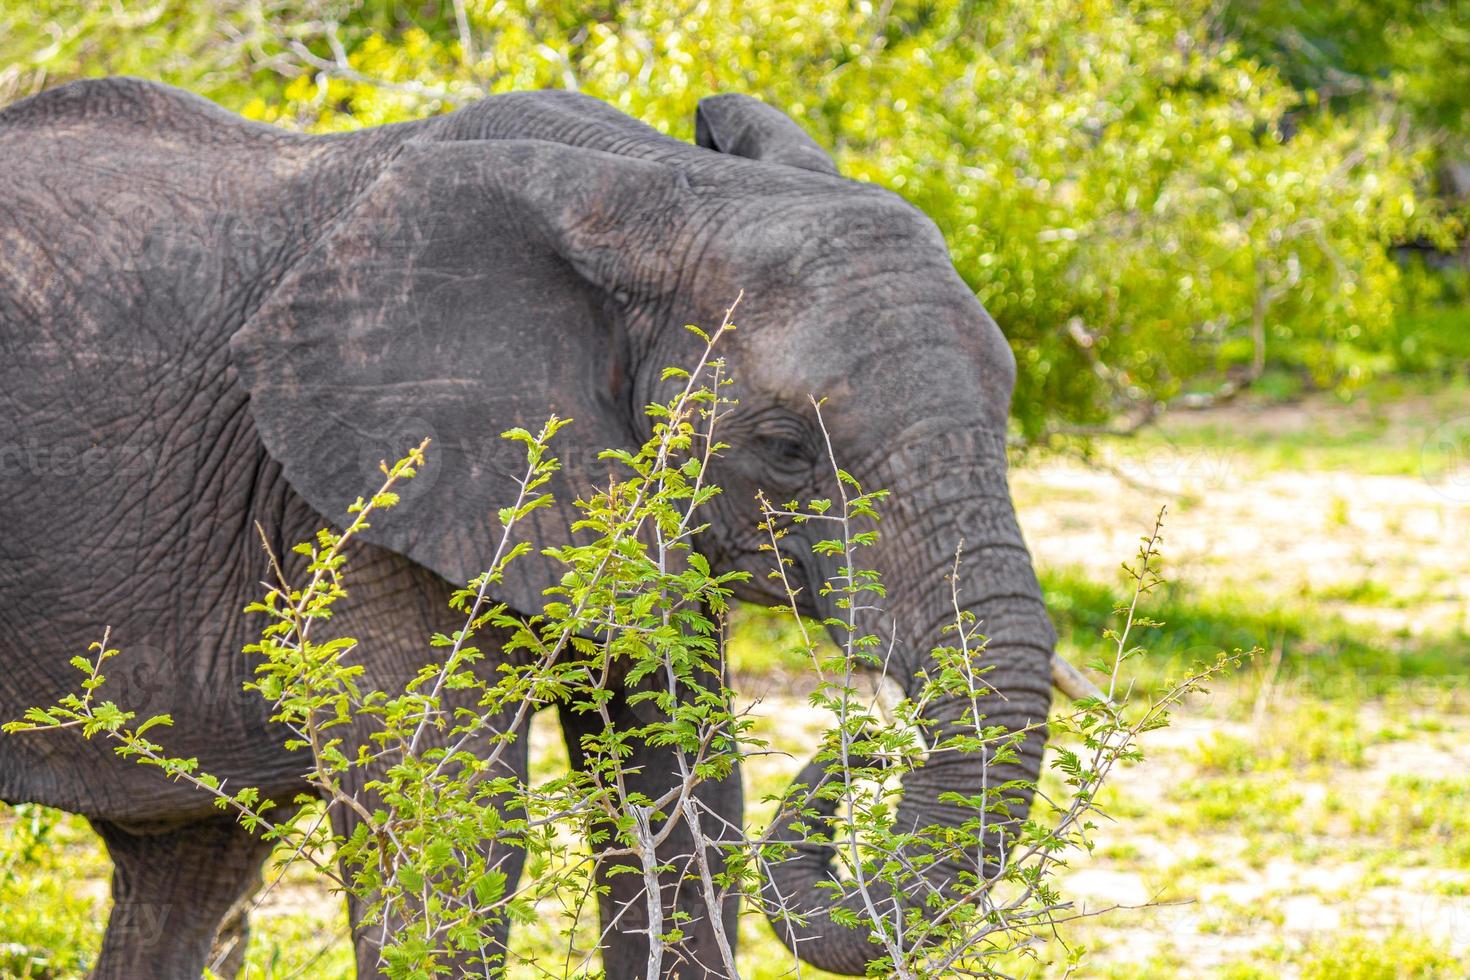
x=785, y=449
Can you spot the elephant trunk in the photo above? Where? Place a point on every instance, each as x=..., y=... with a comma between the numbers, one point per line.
x=1000, y=588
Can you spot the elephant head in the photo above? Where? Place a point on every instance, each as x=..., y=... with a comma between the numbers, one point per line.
x=477, y=284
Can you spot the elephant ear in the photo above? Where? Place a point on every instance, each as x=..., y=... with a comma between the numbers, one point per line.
x=469, y=289
x=746, y=127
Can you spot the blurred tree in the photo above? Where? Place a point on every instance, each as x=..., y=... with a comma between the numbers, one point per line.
x=1414, y=52
x=1114, y=176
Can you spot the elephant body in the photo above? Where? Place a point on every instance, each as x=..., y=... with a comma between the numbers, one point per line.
x=213, y=330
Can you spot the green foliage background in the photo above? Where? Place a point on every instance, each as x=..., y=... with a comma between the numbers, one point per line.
x=1154, y=199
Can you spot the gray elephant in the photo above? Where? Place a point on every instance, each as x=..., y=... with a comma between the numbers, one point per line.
x=209, y=324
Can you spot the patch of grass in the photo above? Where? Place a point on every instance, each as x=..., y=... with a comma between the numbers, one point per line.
x=1228, y=918
x=1162, y=965
x=764, y=957
x=1279, y=386
x=1425, y=814
x=1240, y=804
x=1358, y=433
x=51, y=922
x=1336, y=658
x=314, y=944
x=1379, y=878
x=1309, y=734
x=1123, y=852
x=1400, y=956
x=1120, y=804
x=1229, y=755
x=1181, y=879
x=1362, y=592
x=765, y=642
x=1428, y=724
x=1247, y=971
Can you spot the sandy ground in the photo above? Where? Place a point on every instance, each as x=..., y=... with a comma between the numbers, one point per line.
x=1394, y=549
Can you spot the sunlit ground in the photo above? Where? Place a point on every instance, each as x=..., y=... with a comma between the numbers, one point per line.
x=1311, y=818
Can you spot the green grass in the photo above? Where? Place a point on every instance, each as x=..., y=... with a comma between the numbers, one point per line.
x=313, y=943
x=1341, y=659
x=1245, y=804
x=49, y=925
x=1304, y=736
x=1424, y=814
x=1348, y=659
x=1400, y=956
x=766, y=642
x=1357, y=433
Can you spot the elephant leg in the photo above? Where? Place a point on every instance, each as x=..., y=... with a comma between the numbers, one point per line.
x=171, y=889
x=652, y=771
x=227, y=956
x=509, y=860
x=393, y=607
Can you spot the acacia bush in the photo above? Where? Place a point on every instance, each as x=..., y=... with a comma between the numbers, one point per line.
x=639, y=597
x=1150, y=214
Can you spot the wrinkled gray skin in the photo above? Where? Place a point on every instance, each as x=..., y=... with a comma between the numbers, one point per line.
x=207, y=324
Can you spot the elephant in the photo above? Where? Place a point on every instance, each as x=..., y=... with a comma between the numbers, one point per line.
x=214, y=328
